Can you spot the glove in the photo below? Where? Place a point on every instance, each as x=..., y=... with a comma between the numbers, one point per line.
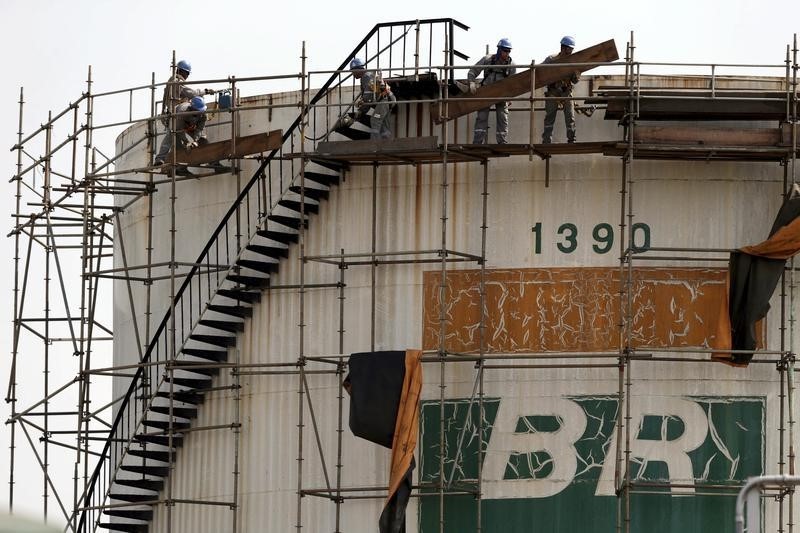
x=209, y=91
x=190, y=146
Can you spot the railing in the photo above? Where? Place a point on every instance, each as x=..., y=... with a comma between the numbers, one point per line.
x=238, y=226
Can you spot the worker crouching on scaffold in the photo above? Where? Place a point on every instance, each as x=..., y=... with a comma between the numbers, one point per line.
x=376, y=94
x=175, y=94
x=190, y=123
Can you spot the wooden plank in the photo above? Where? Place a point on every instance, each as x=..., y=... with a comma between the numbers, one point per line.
x=700, y=109
x=707, y=136
x=520, y=83
x=405, y=144
x=603, y=93
x=786, y=134
x=247, y=145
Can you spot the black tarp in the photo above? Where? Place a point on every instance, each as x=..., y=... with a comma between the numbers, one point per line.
x=753, y=279
x=375, y=382
x=379, y=385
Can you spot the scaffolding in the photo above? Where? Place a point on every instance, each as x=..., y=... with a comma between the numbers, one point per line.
x=77, y=221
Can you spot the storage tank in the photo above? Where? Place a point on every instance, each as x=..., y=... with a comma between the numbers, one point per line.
x=548, y=418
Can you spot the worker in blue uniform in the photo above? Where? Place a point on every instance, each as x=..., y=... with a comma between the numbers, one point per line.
x=559, y=94
x=495, y=67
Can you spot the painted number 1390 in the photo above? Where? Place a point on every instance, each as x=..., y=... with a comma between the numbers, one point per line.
x=602, y=236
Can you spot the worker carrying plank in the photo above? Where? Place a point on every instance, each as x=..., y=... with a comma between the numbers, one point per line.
x=517, y=84
x=495, y=67
x=559, y=94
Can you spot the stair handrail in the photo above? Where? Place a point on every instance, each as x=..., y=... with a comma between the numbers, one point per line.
x=104, y=455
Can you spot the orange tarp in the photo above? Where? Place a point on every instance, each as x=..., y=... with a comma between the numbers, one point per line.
x=784, y=244
x=406, y=429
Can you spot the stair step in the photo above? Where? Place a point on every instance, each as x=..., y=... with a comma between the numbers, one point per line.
x=184, y=397
x=238, y=311
x=163, y=440
x=224, y=325
x=275, y=252
x=209, y=355
x=144, y=484
x=353, y=133
x=156, y=455
x=163, y=425
x=332, y=165
x=134, y=514
x=216, y=340
x=314, y=194
x=264, y=267
x=129, y=528
x=155, y=471
x=365, y=119
x=192, y=383
x=132, y=497
x=181, y=412
x=249, y=281
x=197, y=368
x=289, y=222
x=321, y=178
x=294, y=205
x=241, y=295
x=279, y=236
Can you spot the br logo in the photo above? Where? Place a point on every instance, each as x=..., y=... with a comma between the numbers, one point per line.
x=546, y=447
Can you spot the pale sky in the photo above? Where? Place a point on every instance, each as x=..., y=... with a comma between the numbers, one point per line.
x=48, y=45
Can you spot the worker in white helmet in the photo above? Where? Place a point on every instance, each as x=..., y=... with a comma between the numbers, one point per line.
x=495, y=67
x=384, y=103
x=558, y=95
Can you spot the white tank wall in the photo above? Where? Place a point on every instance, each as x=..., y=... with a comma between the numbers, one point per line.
x=686, y=204
x=200, y=205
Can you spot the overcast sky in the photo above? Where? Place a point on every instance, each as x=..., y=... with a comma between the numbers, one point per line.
x=48, y=45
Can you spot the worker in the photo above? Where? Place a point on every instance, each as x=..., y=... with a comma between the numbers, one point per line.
x=384, y=103
x=558, y=95
x=190, y=121
x=495, y=67
x=368, y=84
x=175, y=92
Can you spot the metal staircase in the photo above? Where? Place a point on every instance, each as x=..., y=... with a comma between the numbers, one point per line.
x=210, y=309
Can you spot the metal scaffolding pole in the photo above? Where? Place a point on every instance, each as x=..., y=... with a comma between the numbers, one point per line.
x=444, y=187
x=301, y=363
x=340, y=372
x=172, y=333
x=48, y=251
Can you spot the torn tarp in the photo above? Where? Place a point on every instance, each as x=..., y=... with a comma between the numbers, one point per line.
x=384, y=392
x=754, y=272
